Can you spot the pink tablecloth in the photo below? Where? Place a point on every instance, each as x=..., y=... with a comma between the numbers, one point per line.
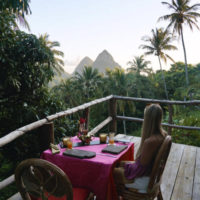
x=95, y=173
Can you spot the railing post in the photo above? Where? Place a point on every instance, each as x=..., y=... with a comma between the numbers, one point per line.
x=170, y=109
x=87, y=116
x=46, y=135
x=113, y=114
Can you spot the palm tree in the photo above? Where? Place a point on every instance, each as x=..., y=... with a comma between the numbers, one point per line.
x=17, y=8
x=139, y=65
x=118, y=83
x=58, y=61
x=158, y=43
x=182, y=14
x=89, y=80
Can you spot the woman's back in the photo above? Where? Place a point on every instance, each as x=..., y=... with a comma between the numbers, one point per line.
x=149, y=149
x=152, y=136
x=144, y=163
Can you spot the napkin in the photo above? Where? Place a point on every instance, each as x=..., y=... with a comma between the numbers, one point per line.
x=54, y=148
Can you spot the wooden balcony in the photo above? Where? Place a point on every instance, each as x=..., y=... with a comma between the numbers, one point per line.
x=181, y=178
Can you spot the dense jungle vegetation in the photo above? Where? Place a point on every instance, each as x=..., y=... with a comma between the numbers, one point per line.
x=28, y=63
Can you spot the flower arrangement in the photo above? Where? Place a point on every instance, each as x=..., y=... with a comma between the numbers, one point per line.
x=82, y=134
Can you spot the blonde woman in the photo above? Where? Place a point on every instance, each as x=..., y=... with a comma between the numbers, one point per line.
x=152, y=137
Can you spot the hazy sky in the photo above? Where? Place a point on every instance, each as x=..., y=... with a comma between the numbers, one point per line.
x=87, y=27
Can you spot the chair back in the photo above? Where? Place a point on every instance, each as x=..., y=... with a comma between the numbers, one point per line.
x=159, y=165
x=40, y=179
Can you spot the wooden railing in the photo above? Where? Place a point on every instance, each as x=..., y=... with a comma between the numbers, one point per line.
x=111, y=120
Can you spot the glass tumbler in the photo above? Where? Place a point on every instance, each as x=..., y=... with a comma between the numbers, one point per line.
x=69, y=143
x=111, y=138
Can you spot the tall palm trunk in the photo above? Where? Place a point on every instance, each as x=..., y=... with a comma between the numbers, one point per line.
x=163, y=77
x=185, y=57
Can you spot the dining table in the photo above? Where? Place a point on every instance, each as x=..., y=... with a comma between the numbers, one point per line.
x=94, y=174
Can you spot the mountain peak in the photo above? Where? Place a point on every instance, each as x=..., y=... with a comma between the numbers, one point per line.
x=86, y=61
x=86, y=58
x=105, y=52
x=103, y=61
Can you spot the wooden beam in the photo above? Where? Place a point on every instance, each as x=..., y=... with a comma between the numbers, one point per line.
x=194, y=102
x=7, y=181
x=78, y=108
x=170, y=109
x=113, y=113
x=100, y=126
x=87, y=116
x=135, y=119
x=163, y=124
x=19, y=132
x=16, y=196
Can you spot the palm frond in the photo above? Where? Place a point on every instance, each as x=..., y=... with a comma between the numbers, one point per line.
x=181, y=13
x=174, y=4
x=193, y=15
x=191, y=24
x=170, y=58
x=169, y=5
x=148, y=53
x=162, y=18
x=194, y=7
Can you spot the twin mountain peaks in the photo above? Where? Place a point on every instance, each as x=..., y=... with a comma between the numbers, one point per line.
x=103, y=61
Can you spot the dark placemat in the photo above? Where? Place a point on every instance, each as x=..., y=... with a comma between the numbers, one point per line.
x=79, y=153
x=114, y=149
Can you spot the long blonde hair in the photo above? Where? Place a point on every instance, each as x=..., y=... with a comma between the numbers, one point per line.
x=151, y=124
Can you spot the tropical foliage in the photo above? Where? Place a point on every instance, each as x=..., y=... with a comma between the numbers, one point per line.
x=157, y=45
x=139, y=65
x=27, y=65
x=182, y=14
x=16, y=6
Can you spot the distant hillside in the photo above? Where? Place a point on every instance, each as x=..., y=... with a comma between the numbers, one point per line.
x=103, y=61
x=58, y=78
x=84, y=62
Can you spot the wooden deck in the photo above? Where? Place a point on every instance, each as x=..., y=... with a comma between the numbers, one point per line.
x=181, y=178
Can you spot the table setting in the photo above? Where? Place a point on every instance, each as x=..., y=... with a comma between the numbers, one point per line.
x=89, y=164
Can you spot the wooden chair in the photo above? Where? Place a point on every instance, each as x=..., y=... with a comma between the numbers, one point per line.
x=153, y=189
x=40, y=179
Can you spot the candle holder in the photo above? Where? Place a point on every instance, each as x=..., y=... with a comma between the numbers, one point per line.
x=83, y=132
x=85, y=139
